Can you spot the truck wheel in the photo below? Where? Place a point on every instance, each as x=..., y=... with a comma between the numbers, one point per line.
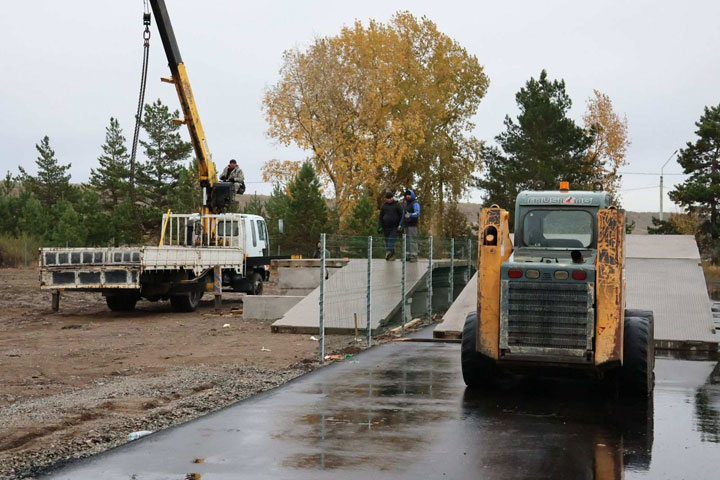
x=122, y=302
x=477, y=370
x=637, y=377
x=187, y=302
x=256, y=284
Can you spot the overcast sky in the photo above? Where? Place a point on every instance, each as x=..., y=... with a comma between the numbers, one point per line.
x=68, y=66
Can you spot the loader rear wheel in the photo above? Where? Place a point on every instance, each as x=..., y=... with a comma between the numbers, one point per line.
x=122, y=302
x=187, y=302
x=637, y=377
x=477, y=370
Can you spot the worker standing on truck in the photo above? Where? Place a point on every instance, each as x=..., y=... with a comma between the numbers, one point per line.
x=410, y=224
x=232, y=173
x=391, y=215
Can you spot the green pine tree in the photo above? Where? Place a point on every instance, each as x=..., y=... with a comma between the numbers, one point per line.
x=276, y=209
x=68, y=229
x=110, y=179
x=363, y=219
x=98, y=225
x=254, y=206
x=307, y=213
x=34, y=218
x=539, y=149
x=165, y=151
x=456, y=224
x=700, y=192
x=186, y=197
x=52, y=182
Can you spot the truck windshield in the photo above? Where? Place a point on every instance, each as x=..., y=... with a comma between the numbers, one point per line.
x=561, y=228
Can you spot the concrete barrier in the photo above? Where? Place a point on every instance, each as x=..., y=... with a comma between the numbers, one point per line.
x=268, y=307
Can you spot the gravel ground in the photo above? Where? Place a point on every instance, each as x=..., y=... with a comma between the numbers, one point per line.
x=77, y=382
x=180, y=395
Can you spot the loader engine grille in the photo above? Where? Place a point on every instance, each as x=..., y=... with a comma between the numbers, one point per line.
x=550, y=317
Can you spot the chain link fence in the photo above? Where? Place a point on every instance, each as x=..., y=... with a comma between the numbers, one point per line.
x=387, y=282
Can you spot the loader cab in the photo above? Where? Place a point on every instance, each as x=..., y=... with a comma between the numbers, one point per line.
x=551, y=225
x=548, y=284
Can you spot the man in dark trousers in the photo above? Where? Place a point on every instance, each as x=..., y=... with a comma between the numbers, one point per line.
x=391, y=214
x=411, y=217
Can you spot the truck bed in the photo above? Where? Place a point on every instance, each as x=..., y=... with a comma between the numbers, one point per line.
x=111, y=268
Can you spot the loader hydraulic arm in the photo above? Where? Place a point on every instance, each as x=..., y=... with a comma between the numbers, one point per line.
x=206, y=168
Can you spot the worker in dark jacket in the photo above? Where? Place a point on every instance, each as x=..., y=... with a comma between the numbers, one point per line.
x=233, y=174
x=411, y=217
x=391, y=214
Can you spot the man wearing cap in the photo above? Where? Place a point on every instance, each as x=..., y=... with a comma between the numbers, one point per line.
x=391, y=214
x=411, y=217
x=232, y=173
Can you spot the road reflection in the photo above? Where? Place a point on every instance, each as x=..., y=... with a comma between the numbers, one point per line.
x=707, y=416
x=378, y=418
x=545, y=428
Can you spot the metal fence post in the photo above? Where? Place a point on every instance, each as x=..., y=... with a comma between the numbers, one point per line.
x=429, y=278
x=403, y=284
x=451, y=293
x=369, y=289
x=468, y=270
x=321, y=324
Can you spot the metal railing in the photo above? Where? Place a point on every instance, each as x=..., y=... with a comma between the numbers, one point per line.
x=373, y=292
x=195, y=230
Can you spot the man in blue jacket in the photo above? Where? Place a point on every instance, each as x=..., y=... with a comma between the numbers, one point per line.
x=410, y=224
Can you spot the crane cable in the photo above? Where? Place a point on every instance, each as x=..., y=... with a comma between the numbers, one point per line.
x=141, y=103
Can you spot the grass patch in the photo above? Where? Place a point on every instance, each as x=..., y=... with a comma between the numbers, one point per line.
x=712, y=272
x=18, y=251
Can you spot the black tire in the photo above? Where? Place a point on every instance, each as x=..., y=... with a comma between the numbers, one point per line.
x=647, y=314
x=477, y=370
x=122, y=302
x=638, y=377
x=187, y=302
x=256, y=284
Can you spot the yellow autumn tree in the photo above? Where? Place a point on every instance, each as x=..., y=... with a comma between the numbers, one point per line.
x=610, y=140
x=382, y=106
x=280, y=172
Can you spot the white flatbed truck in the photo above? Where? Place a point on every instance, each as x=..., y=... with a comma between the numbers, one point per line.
x=180, y=269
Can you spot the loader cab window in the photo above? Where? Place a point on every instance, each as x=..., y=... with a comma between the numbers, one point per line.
x=261, y=230
x=559, y=228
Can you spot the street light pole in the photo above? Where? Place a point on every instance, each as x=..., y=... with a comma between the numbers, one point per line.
x=661, y=183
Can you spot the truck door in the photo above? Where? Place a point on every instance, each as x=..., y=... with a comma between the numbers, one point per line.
x=263, y=240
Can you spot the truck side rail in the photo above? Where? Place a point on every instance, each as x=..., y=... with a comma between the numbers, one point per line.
x=195, y=230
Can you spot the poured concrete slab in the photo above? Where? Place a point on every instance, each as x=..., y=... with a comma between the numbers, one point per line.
x=454, y=318
x=662, y=275
x=268, y=307
x=345, y=297
x=662, y=246
x=674, y=289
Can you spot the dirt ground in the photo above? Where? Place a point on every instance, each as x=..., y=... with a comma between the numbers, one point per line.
x=78, y=381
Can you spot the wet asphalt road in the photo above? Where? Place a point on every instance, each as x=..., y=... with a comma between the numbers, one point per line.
x=402, y=411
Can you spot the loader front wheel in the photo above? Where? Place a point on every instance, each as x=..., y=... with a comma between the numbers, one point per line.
x=478, y=370
x=638, y=377
x=122, y=302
